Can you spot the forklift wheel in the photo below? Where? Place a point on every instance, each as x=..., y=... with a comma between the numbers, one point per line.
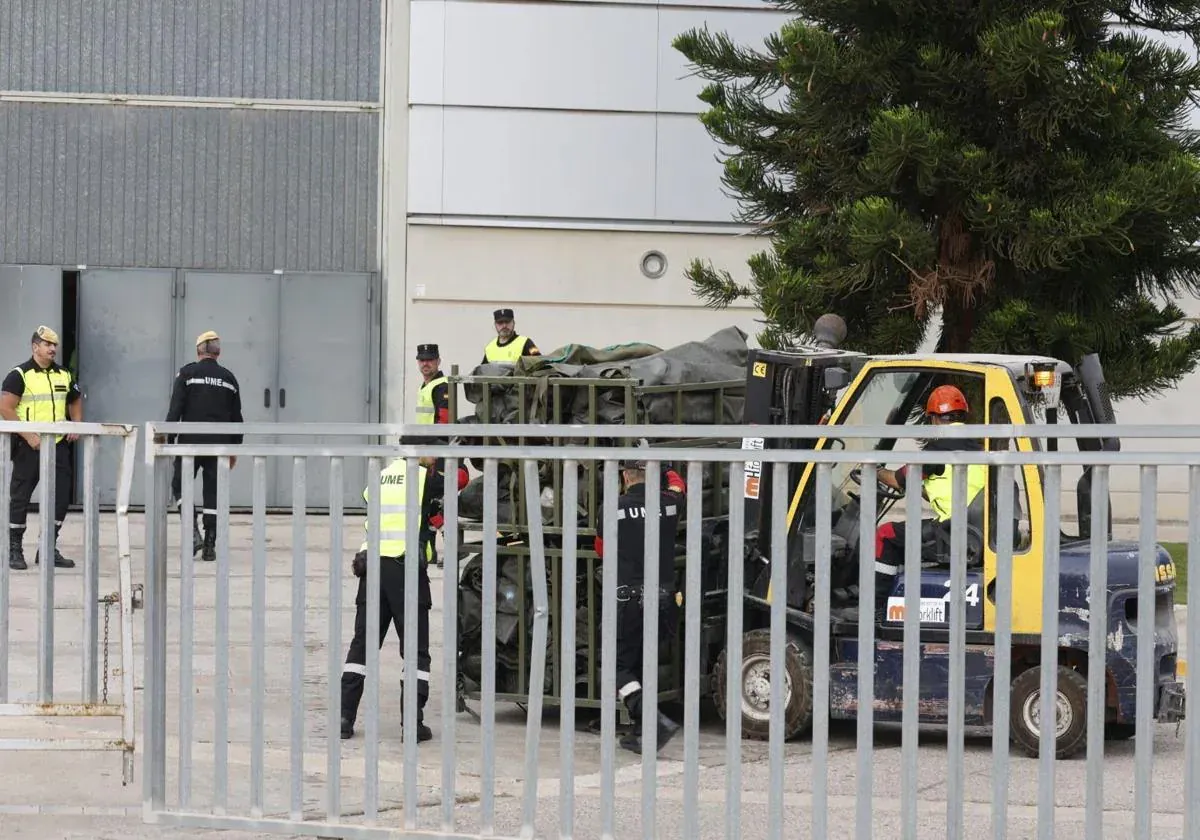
x=1071, y=712
x=756, y=686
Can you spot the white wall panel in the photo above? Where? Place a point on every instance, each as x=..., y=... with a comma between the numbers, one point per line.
x=540, y=163
x=425, y=156
x=426, y=51
x=677, y=88
x=688, y=173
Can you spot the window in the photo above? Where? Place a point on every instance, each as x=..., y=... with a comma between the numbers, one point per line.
x=1022, y=536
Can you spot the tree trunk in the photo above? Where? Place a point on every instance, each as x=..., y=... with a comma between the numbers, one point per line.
x=958, y=325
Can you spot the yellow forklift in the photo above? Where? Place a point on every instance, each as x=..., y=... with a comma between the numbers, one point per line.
x=822, y=384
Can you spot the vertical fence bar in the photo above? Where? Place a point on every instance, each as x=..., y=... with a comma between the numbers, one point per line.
x=371, y=695
x=5, y=480
x=955, y=782
x=333, y=743
x=258, y=638
x=779, y=644
x=691, y=652
x=221, y=646
x=91, y=572
x=537, y=665
x=125, y=582
x=567, y=652
x=866, y=650
x=820, y=753
x=1049, y=688
x=650, y=608
x=487, y=780
x=449, y=631
x=154, y=719
x=909, y=737
x=608, y=656
x=299, y=596
x=1143, y=740
x=1191, y=820
x=733, y=647
x=410, y=679
x=1001, y=684
x=187, y=621
x=46, y=494
x=1097, y=651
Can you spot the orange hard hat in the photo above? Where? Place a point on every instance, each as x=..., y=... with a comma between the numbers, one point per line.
x=946, y=399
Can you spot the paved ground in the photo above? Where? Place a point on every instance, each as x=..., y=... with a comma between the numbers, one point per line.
x=80, y=795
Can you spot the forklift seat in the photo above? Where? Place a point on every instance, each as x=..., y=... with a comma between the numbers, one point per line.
x=935, y=552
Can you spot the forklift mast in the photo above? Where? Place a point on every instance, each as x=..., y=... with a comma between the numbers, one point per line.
x=796, y=387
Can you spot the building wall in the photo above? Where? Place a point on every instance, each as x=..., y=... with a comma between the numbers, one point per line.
x=220, y=134
x=543, y=190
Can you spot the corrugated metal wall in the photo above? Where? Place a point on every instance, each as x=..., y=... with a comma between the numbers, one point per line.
x=188, y=187
x=279, y=49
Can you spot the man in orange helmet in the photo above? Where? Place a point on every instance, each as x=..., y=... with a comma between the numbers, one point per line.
x=946, y=406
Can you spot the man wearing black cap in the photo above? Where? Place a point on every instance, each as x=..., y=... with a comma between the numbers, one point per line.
x=433, y=406
x=507, y=347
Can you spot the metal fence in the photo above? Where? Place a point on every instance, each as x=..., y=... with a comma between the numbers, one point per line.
x=964, y=661
x=28, y=689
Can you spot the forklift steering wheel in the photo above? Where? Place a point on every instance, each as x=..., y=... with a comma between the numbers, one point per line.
x=882, y=491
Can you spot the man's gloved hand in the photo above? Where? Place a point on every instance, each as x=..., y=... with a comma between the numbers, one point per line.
x=464, y=477
x=360, y=564
x=437, y=521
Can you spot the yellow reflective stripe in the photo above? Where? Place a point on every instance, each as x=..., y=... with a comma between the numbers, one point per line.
x=36, y=397
x=402, y=508
x=424, y=409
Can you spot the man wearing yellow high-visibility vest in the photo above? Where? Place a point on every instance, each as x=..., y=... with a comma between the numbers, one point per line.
x=433, y=399
x=39, y=391
x=395, y=484
x=946, y=406
x=508, y=346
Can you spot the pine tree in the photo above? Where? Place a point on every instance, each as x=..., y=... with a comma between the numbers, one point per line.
x=1017, y=174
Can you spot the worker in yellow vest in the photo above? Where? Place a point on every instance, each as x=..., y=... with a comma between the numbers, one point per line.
x=507, y=347
x=395, y=484
x=433, y=400
x=39, y=391
x=433, y=406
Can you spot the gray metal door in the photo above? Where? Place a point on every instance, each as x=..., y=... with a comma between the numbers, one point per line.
x=125, y=363
x=244, y=310
x=324, y=373
x=30, y=295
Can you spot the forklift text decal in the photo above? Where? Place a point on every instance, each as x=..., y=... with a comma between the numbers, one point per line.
x=753, y=468
x=933, y=610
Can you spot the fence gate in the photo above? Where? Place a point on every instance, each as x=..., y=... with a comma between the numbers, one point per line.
x=28, y=694
x=242, y=727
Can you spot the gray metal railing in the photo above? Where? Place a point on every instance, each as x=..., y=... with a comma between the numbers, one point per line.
x=1143, y=677
x=45, y=699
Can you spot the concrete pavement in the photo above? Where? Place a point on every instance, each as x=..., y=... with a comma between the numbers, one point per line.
x=52, y=785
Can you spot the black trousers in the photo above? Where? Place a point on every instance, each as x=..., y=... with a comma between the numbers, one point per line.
x=27, y=468
x=207, y=467
x=631, y=617
x=889, y=552
x=391, y=610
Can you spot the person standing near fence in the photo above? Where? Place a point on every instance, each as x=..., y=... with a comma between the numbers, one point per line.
x=39, y=391
x=204, y=392
x=508, y=346
x=631, y=558
x=395, y=484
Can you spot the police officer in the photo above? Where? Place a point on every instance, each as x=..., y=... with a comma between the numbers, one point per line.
x=946, y=406
x=393, y=528
x=631, y=536
x=508, y=346
x=205, y=392
x=39, y=391
x=433, y=399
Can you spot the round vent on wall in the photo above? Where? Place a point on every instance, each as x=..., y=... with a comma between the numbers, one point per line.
x=654, y=264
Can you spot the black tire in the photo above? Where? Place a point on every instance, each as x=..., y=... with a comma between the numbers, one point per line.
x=1025, y=703
x=755, y=682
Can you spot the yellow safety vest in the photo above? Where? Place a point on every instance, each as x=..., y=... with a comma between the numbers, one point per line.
x=939, y=489
x=393, y=507
x=45, y=397
x=510, y=353
x=426, y=410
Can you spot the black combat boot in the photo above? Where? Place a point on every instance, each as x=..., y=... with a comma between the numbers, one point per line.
x=59, y=561
x=632, y=740
x=209, y=548
x=424, y=733
x=16, y=552
x=197, y=533
x=347, y=728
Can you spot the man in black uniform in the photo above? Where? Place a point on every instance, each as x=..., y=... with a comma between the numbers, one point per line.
x=205, y=392
x=631, y=553
x=39, y=391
